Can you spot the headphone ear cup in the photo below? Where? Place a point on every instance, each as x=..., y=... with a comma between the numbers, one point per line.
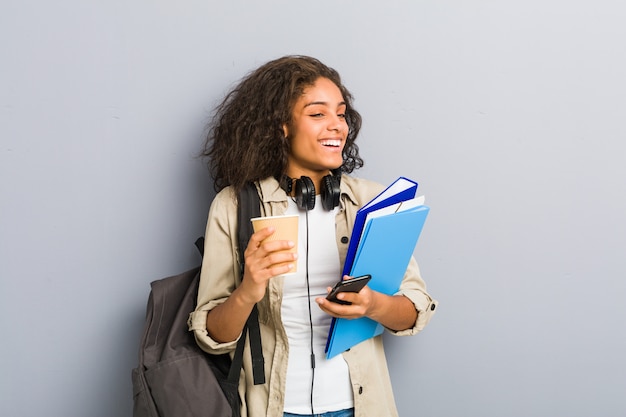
x=305, y=193
x=330, y=191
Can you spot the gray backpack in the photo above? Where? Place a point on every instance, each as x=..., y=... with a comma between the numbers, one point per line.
x=175, y=378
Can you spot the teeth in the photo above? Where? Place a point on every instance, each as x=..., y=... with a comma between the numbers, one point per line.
x=336, y=143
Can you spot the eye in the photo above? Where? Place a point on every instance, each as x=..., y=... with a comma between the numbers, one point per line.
x=342, y=115
x=317, y=115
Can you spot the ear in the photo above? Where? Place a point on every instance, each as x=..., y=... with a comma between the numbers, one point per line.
x=285, y=130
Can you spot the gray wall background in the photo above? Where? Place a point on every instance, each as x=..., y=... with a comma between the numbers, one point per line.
x=510, y=115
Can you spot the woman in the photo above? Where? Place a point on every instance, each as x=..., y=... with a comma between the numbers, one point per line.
x=290, y=127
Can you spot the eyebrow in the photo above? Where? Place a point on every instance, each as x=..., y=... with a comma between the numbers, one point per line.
x=323, y=103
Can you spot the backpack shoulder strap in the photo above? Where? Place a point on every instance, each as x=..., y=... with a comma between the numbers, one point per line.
x=248, y=206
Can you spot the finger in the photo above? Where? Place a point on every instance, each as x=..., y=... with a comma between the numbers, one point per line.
x=258, y=237
x=271, y=253
x=259, y=241
x=349, y=297
x=280, y=269
x=338, y=310
x=261, y=260
x=277, y=246
x=278, y=259
x=263, y=265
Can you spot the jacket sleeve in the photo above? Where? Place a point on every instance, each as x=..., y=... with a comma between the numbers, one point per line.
x=220, y=269
x=414, y=288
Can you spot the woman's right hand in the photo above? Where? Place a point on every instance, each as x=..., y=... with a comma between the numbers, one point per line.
x=265, y=260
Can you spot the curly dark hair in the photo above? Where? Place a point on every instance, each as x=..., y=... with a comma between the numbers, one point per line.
x=246, y=141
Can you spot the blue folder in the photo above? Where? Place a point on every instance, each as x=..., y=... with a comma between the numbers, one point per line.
x=400, y=190
x=386, y=246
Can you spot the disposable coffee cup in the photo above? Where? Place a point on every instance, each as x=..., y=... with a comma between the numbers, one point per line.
x=285, y=228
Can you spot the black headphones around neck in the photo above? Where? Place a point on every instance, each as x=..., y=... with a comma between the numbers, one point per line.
x=305, y=191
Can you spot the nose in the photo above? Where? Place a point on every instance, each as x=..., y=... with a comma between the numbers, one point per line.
x=337, y=123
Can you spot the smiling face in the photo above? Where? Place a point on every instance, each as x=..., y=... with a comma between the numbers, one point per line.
x=317, y=132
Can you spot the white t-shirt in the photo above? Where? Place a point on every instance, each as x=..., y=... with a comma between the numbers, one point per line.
x=332, y=390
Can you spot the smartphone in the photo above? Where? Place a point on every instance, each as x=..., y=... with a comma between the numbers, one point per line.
x=348, y=285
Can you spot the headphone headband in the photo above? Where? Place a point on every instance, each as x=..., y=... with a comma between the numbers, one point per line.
x=305, y=191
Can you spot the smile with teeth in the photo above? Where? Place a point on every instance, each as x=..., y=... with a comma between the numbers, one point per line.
x=331, y=142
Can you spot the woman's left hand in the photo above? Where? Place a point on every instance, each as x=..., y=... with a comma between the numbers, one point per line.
x=395, y=312
x=361, y=303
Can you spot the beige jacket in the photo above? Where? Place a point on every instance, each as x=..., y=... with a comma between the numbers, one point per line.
x=367, y=363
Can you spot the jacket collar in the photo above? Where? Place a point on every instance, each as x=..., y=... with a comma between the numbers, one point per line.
x=270, y=191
